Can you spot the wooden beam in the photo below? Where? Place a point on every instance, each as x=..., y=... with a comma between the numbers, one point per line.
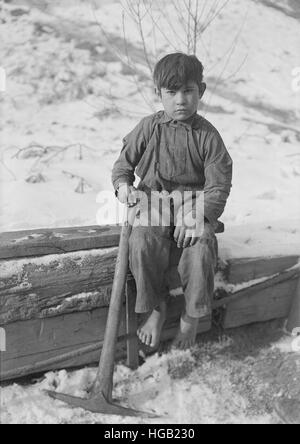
x=247, y=269
x=293, y=322
x=72, y=340
x=41, y=242
x=55, y=284
x=39, y=345
x=57, y=241
x=286, y=276
x=262, y=305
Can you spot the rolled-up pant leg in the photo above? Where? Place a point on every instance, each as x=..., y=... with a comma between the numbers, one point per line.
x=149, y=251
x=197, y=268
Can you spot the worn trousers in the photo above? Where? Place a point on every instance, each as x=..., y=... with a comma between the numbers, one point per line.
x=152, y=251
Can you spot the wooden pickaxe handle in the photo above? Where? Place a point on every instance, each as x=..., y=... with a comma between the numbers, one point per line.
x=104, y=380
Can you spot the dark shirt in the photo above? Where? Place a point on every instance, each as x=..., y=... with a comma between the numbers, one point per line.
x=172, y=155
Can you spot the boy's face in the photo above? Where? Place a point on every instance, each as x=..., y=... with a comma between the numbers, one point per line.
x=182, y=103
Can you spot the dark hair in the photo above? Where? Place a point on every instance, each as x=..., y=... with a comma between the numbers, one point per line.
x=175, y=70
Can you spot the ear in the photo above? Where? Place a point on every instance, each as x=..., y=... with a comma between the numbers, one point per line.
x=202, y=89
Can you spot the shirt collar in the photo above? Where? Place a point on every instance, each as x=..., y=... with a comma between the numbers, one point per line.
x=193, y=122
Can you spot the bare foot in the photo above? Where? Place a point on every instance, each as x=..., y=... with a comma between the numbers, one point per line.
x=150, y=333
x=186, y=336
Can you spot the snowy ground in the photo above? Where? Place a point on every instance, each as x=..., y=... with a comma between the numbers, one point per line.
x=232, y=379
x=69, y=103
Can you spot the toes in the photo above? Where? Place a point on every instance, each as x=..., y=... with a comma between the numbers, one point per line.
x=148, y=339
x=153, y=342
x=142, y=337
x=145, y=338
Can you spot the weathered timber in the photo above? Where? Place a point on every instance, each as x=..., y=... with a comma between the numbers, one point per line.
x=285, y=276
x=79, y=281
x=41, y=242
x=40, y=340
x=293, y=322
x=272, y=302
x=57, y=240
x=55, y=288
x=39, y=345
x=247, y=269
x=54, y=284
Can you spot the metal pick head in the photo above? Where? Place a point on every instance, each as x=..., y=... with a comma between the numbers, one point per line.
x=98, y=404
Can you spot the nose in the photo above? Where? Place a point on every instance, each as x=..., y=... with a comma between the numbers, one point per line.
x=180, y=98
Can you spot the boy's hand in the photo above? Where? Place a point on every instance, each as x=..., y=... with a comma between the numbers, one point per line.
x=127, y=194
x=185, y=237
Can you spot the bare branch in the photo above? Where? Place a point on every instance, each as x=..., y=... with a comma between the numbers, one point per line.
x=141, y=30
x=134, y=72
x=233, y=46
x=168, y=21
x=217, y=13
x=237, y=70
x=195, y=28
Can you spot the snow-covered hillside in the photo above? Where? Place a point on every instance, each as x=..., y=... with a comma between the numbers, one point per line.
x=70, y=100
x=71, y=97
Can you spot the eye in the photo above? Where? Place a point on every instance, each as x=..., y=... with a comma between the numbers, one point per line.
x=171, y=92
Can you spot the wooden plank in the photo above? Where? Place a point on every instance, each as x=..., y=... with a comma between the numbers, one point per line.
x=269, y=303
x=44, y=241
x=286, y=276
x=247, y=269
x=42, y=340
x=55, y=284
x=41, y=242
x=39, y=345
x=293, y=322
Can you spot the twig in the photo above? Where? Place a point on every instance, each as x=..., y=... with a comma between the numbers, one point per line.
x=233, y=46
x=196, y=28
x=134, y=72
x=155, y=23
x=8, y=169
x=82, y=181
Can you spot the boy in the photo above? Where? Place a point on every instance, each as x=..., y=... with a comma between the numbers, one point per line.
x=175, y=150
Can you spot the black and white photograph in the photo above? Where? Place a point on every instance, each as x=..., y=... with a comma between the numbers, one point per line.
x=150, y=214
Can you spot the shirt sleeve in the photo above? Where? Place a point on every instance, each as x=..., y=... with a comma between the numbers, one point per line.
x=218, y=177
x=134, y=145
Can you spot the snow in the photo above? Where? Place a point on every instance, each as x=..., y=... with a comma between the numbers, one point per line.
x=151, y=389
x=88, y=104
x=76, y=104
x=180, y=387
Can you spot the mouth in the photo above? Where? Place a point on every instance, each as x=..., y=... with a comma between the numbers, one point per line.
x=183, y=110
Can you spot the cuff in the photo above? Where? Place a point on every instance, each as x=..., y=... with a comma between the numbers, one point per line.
x=119, y=181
